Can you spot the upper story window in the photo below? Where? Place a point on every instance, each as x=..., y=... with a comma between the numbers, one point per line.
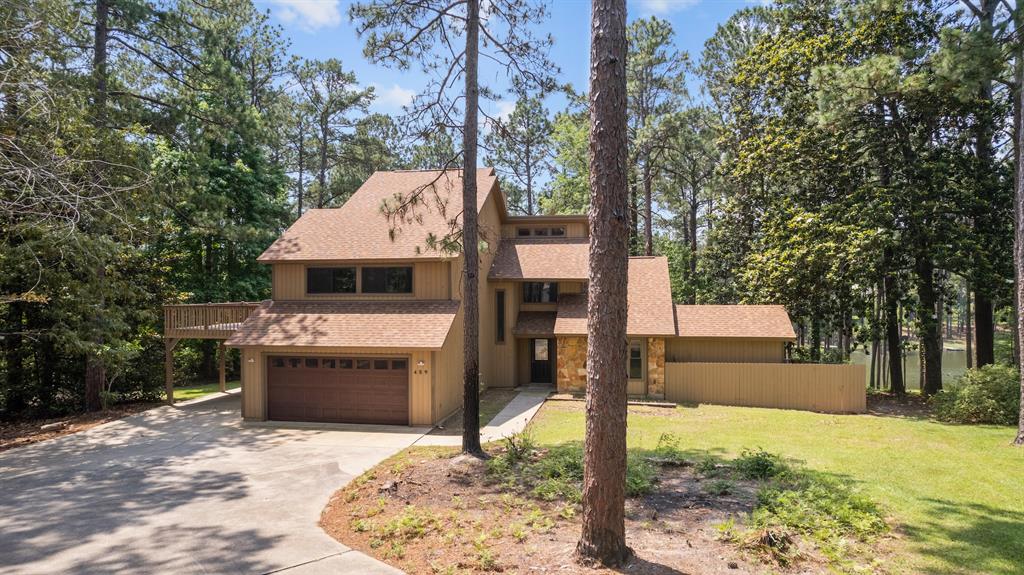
x=540, y=292
x=554, y=231
x=387, y=280
x=330, y=280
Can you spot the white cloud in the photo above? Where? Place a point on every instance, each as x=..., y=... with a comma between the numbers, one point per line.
x=394, y=97
x=505, y=109
x=309, y=15
x=665, y=6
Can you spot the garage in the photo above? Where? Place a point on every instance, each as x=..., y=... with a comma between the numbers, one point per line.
x=338, y=389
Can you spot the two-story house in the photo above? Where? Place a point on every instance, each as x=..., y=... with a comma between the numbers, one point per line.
x=365, y=324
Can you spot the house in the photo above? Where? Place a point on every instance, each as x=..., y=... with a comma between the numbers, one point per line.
x=364, y=324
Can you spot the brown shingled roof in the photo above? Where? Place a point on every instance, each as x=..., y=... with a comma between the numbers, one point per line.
x=649, y=297
x=398, y=324
x=358, y=229
x=541, y=259
x=534, y=323
x=735, y=321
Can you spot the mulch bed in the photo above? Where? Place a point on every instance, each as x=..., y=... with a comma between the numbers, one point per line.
x=429, y=511
x=20, y=433
x=911, y=405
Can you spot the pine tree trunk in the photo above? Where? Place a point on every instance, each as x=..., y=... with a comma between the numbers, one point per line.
x=302, y=161
x=897, y=383
x=1018, y=204
x=968, y=331
x=95, y=371
x=929, y=327
x=648, y=216
x=603, y=536
x=471, y=261
x=984, y=329
x=693, y=249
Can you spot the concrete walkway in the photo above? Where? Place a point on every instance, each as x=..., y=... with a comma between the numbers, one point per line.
x=185, y=489
x=510, y=420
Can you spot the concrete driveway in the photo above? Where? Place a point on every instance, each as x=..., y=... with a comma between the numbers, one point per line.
x=185, y=490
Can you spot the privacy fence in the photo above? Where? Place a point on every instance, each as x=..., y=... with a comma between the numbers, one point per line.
x=814, y=387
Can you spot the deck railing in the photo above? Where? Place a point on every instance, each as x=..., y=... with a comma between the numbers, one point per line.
x=205, y=320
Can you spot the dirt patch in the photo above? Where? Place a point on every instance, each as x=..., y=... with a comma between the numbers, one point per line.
x=22, y=433
x=492, y=401
x=428, y=511
x=911, y=405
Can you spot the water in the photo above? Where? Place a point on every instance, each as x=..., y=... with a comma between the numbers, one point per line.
x=954, y=364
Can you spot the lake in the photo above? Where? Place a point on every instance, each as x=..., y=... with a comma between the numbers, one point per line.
x=954, y=364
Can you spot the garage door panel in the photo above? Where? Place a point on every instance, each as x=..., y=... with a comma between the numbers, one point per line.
x=338, y=389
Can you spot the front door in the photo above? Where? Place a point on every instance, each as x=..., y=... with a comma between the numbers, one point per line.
x=542, y=354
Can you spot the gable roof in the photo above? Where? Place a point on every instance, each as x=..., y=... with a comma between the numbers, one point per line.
x=399, y=324
x=734, y=321
x=649, y=300
x=541, y=259
x=358, y=229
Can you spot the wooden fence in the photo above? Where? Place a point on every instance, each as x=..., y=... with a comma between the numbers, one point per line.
x=813, y=387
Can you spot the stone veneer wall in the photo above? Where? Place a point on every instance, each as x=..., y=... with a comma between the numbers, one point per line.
x=571, y=364
x=656, y=367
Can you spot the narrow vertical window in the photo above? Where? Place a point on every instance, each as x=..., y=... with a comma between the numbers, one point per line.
x=499, y=309
x=636, y=359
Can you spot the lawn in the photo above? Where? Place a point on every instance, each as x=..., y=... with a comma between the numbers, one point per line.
x=195, y=391
x=955, y=492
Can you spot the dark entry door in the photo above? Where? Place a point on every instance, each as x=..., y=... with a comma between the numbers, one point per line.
x=542, y=355
x=338, y=389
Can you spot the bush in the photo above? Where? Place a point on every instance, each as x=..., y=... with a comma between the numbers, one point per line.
x=990, y=394
x=758, y=464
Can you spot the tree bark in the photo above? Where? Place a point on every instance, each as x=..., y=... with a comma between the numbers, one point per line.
x=897, y=384
x=1018, y=203
x=302, y=160
x=968, y=331
x=470, y=255
x=693, y=247
x=603, y=536
x=929, y=327
x=648, y=217
x=984, y=329
x=95, y=371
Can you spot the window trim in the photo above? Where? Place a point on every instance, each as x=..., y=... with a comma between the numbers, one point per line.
x=500, y=302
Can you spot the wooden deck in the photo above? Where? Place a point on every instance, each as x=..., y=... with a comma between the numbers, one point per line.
x=205, y=320
x=201, y=321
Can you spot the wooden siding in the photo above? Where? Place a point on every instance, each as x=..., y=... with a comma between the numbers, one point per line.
x=503, y=367
x=430, y=280
x=447, y=373
x=254, y=377
x=813, y=387
x=490, y=230
x=572, y=229
x=724, y=350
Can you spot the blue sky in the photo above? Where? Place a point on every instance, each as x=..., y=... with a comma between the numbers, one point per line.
x=320, y=29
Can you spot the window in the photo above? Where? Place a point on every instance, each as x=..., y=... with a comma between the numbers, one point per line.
x=380, y=364
x=387, y=280
x=362, y=364
x=330, y=363
x=399, y=364
x=540, y=292
x=330, y=280
x=313, y=363
x=540, y=232
x=499, y=307
x=345, y=363
x=636, y=359
x=540, y=350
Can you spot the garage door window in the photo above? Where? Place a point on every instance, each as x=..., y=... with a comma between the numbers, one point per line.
x=362, y=364
x=399, y=364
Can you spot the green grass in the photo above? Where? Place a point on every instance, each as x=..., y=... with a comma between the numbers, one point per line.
x=956, y=492
x=194, y=391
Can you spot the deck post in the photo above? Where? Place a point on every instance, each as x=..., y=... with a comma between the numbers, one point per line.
x=222, y=351
x=169, y=344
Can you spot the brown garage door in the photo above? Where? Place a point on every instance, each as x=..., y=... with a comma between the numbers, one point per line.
x=338, y=389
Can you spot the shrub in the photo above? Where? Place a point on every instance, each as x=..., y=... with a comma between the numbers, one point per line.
x=758, y=464
x=990, y=394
